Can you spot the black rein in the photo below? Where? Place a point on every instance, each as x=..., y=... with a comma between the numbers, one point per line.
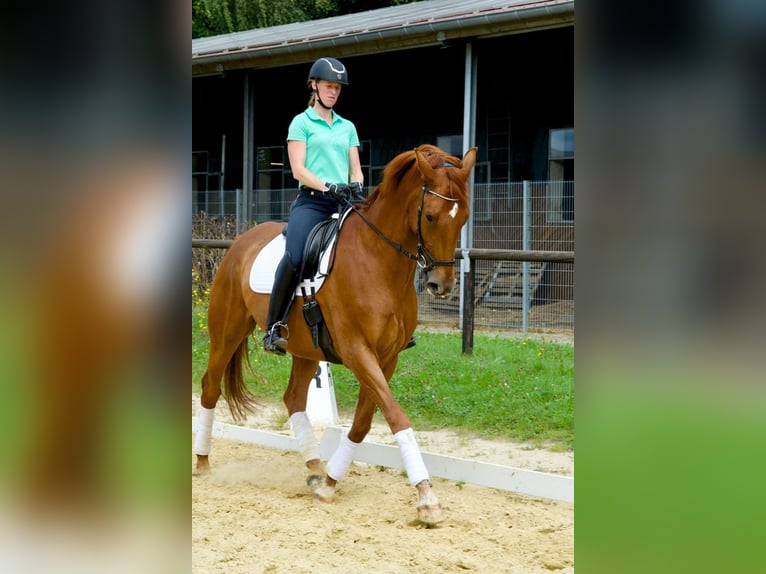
x=423, y=258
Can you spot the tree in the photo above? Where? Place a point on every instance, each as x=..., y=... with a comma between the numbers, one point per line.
x=214, y=17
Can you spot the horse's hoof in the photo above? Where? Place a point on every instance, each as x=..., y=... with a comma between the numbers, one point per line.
x=430, y=515
x=314, y=481
x=202, y=467
x=324, y=494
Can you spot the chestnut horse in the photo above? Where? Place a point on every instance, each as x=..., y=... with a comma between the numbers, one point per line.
x=412, y=218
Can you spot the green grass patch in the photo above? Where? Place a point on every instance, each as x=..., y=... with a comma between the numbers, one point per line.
x=512, y=388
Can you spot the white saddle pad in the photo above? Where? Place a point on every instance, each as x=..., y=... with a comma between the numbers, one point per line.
x=265, y=265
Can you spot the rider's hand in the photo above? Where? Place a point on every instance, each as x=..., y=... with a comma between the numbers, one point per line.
x=356, y=192
x=334, y=191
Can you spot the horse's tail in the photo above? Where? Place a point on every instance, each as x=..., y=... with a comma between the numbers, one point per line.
x=241, y=401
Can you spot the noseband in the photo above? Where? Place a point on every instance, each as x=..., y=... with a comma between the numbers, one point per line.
x=423, y=258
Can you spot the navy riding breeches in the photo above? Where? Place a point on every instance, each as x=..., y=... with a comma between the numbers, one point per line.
x=305, y=213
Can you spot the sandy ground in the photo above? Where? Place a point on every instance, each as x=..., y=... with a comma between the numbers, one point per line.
x=254, y=513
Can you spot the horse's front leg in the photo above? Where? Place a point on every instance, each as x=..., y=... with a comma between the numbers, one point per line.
x=429, y=510
x=341, y=460
x=428, y=507
x=295, y=398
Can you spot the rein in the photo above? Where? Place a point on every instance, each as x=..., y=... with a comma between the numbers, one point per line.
x=423, y=258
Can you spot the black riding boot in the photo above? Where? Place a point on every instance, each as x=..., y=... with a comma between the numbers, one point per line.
x=285, y=282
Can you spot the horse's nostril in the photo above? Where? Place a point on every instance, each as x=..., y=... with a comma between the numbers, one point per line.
x=434, y=287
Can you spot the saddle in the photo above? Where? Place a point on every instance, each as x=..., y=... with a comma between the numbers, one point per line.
x=320, y=238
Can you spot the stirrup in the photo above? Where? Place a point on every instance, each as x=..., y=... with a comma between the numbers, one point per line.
x=274, y=342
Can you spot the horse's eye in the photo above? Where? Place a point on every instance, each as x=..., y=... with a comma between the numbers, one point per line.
x=429, y=218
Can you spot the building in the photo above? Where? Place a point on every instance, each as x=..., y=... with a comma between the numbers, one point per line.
x=498, y=74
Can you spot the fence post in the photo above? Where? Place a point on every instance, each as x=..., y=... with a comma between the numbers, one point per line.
x=238, y=213
x=468, y=303
x=526, y=218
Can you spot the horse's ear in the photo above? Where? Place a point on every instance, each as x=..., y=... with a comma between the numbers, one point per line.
x=469, y=159
x=425, y=167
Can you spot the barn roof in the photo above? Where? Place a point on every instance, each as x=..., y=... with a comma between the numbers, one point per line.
x=419, y=24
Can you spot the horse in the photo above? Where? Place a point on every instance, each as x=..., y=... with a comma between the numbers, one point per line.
x=411, y=219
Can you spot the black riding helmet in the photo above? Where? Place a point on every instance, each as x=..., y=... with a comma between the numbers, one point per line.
x=329, y=69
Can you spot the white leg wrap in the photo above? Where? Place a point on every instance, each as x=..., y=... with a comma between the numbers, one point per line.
x=411, y=457
x=308, y=445
x=204, y=430
x=341, y=459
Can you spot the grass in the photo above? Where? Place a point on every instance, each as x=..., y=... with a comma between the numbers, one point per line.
x=512, y=388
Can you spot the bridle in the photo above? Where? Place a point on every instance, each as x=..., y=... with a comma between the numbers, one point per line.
x=423, y=258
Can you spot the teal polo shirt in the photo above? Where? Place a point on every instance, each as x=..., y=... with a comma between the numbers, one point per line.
x=326, y=145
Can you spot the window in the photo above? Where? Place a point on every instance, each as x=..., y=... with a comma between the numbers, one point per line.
x=560, y=193
x=272, y=174
x=271, y=167
x=561, y=144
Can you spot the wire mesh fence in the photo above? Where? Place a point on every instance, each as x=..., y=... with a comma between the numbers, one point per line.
x=536, y=296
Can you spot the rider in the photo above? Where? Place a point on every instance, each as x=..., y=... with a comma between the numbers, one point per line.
x=323, y=149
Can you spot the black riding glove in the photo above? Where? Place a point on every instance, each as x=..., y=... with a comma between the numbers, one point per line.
x=356, y=192
x=334, y=190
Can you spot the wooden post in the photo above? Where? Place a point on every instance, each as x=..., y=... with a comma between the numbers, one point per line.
x=468, y=309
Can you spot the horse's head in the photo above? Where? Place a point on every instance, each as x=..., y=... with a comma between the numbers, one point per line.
x=444, y=209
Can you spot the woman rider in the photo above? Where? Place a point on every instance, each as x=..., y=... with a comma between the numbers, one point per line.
x=323, y=149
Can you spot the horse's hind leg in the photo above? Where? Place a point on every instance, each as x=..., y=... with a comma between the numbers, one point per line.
x=229, y=324
x=295, y=398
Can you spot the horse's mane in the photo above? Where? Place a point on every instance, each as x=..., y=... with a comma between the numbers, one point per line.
x=397, y=168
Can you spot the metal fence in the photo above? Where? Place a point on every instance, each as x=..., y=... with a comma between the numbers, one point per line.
x=529, y=296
